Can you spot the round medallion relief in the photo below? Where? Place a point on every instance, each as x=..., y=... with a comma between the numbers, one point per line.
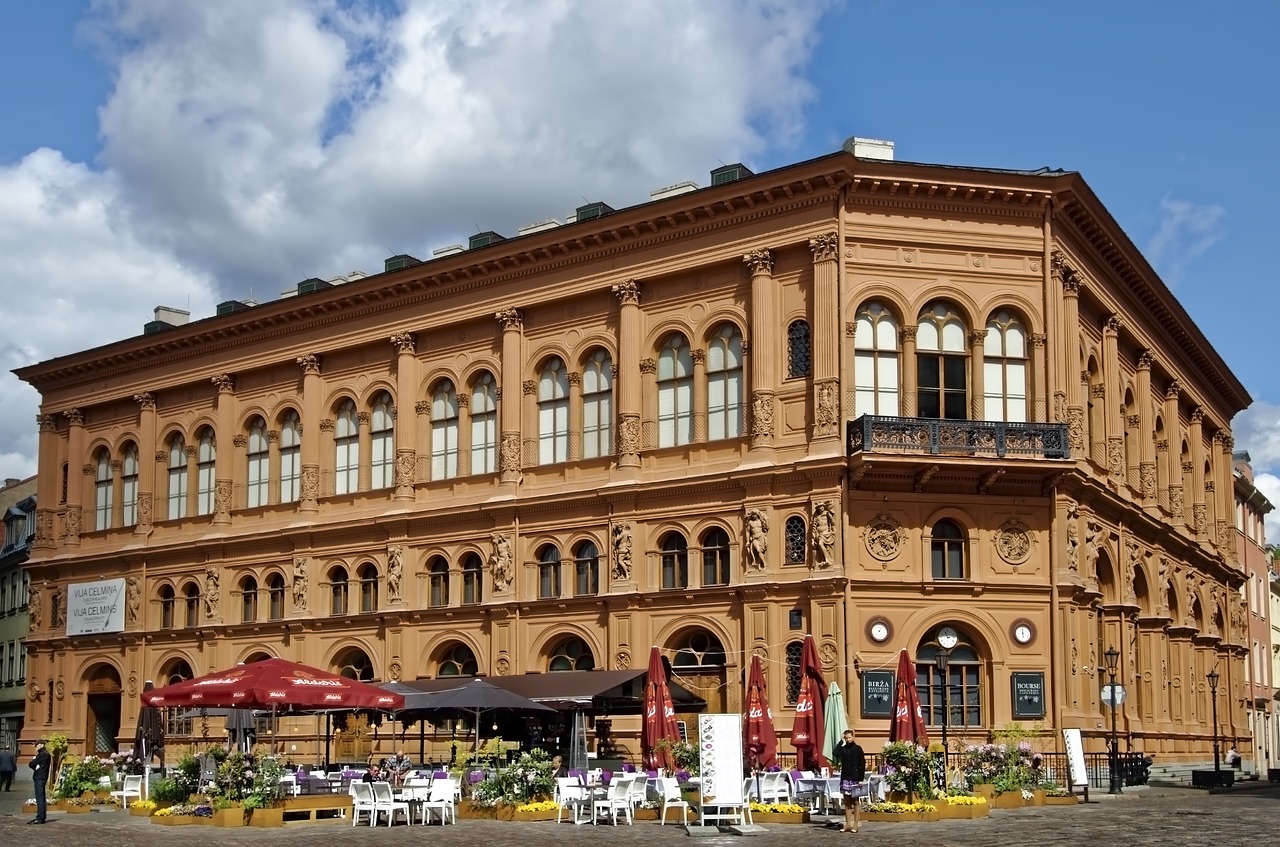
x=1013, y=543
x=884, y=538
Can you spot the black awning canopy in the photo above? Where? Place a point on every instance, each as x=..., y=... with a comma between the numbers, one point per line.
x=602, y=692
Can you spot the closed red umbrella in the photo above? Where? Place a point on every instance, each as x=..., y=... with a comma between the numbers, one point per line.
x=908, y=721
x=807, y=730
x=659, y=717
x=273, y=683
x=762, y=736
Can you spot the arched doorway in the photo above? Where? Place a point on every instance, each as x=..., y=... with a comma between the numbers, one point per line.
x=102, y=716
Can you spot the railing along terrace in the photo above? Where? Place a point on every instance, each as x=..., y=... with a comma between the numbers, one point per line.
x=938, y=436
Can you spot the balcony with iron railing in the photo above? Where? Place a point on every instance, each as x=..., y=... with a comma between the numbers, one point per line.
x=959, y=438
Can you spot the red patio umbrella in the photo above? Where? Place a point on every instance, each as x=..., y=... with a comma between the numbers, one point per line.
x=659, y=717
x=908, y=721
x=762, y=737
x=807, y=731
x=273, y=683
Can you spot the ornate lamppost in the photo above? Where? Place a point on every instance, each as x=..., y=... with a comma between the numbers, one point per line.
x=1212, y=676
x=948, y=638
x=941, y=659
x=1112, y=657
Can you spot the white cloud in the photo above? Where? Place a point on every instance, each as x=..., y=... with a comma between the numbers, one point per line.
x=249, y=145
x=1187, y=230
x=1257, y=431
x=1269, y=485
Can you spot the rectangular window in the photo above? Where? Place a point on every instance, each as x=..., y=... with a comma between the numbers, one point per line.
x=102, y=505
x=346, y=477
x=597, y=414
x=553, y=432
x=586, y=577
x=548, y=580
x=675, y=412
x=204, y=489
x=724, y=405
x=384, y=460
x=290, y=474
x=177, y=493
x=444, y=448
x=257, y=484
x=484, y=443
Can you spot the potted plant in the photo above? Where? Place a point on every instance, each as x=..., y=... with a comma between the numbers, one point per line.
x=908, y=770
x=143, y=808
x=770, y=813
x=957, y=804
x=262, y=800
x=228, y=812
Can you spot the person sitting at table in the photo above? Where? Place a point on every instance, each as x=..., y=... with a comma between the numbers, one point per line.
x=557, y=767
x=853, y=775
x=397, y=767
x=374, y=774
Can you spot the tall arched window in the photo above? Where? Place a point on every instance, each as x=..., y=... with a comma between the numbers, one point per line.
x=946, y=547
x=458, y=660
x=675, y=561
x=715, y=557
x=368, y=574
x=699, y=649
x=791, y=655
x=597, y=406
x=178, y=720
x=472, y=581
x=799, y=350
x=259, y=473
x=548, y=572
x=168, y=601
x=439, y=573
x=963, y=679
x=553, y=413
x=290, y=458
x=346, y=445
x=675, y=392
x=572, y=654
x=795, y=537
x=724, y=384
x=1004, y=379
x=177, y=477
x=875, y=362
x=355, y=664
x=129, y=486
x=206, y=457
x=339, y=587
x=191, y=603
x=102, y=491
x=275, y=597
x=444, y=431
x=942, y=373
x=586, y=570
x=484, y=425
x=248, y=600
x=382, y=443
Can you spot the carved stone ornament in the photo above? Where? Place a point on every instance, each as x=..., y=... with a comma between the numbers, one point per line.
x=1073, y=536
x=762, y=417
x=1075, y=428
x=823, y=522
x=394, y=670
x=759, y=261
x=884, y=538
x=300, y=582
x=629, y=434
x=648, y=366
x=395, y=573
x=71, y=523
x=224, y=382
x=404, y=342
x=503, y=666
x=622, y=563
x=627, y=292
x=755, y=530
x=530, y=387
x=510, y=319
x=131, y=687
x=309, y=363
x=310, y=483
x=509, y=455
x=622, y=661
x=145, y=401
x=1176, y=503
x=825, y=416
x=1115, y=456
x=133, y=600
x=500, y=561
x=240, y=440
x=825, y=247
x=1013, y=542
x=47, y=423
x=74, y=417
x=406, y=469
x=1147, y=476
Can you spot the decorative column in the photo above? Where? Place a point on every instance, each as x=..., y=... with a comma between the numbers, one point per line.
x=47, y=483
x=910, y=386
x=146, y=478
x=512, y=323
x=364, y=437
x=406, y=433
x=1068, y=403
x=699, y=422
x=224, y=459
x=1113, y=397
x=117, y=494
x=825, y=331
x=422, y=431
x=464, y=431
x=240, y=472
x=312, y=388
x=1040, y=371
x=1141, y=416
x=273, y=467
x=763, y=338
x=1168, y=463
x=192, y=452
x=627, y=390
x=529, y=412
x=649, y=403
x=977, y=368
x=1195, y=435
x=74, y=514
x=575, y=415
x=1225, y=537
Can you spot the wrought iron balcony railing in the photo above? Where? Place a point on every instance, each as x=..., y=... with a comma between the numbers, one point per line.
x=940, y=437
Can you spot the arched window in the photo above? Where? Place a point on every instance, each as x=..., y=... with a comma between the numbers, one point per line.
x=484, y=425
x=795, y=537
x=177, y=477
x=439, y=572
x=275, y=597
x=571, y=654
x=444, y=431
x=963, y=680
x=191, y=602
x=699, y=649
x=799, y=350
x=946, y=545
x=290, y=457
x=178, y=720
x=346, y=445
x=724, y=384
x=791, y=656
x=472, y=583
x=129, y=485
x=168, y=600
x=1004, y=379
x=942, y=373
x=458, y=661
x=553, y=413
x=338, y=590
x=875, y=362
x=548, y=572
x=597, y=406
x=675, y=561
x=715, y=557
x=586, y=570
x=383, y=443
x=102, y=491
x=368, y=574
x=259, y=473
x=206, y=457
x=355, y=664
x=675, y=392
x=248, y=600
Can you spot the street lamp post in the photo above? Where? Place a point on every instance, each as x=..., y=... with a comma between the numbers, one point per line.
x=1112, y=657
x=1212, y=676
x=944, y=655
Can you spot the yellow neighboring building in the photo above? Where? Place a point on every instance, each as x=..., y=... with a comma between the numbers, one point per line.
x=853, y=397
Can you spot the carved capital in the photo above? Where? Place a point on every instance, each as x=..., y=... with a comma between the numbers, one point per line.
x=273, y=436
x=1038, y=340
x=47, y=423
x=1132, y=421
x=1228, y=443
x=309, y=363
x=574, y=378
x=116, y=466
x=1144, y=360
x=225, y=383
x=759, y=262
x=74, y=417
x=1066, y=275
x=363, y=418
x=241, y=440
x=825, y=247
x=699, y=356
x=627, y=292
x=648, y=366
x=422, y=407
x=511, y=320
x=404, y=342
x=1197, y=415
x=1098, y=390
x=328, y=425
x=146, y=401
x=530, y=388
x=908, y=333
x=850, y=329
x=1113, y=324
x=161, y=456
x=89, y=470
x=977, y=338
x=1173, y=390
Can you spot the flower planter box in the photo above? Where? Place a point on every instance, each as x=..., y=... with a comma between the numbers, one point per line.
x=141, y=812
x=985, y=789
x=467, y=810
x=1068, y=800
x=230, y=816
x=1008, y=800
x=505, y=812
x=78, y=809
x=947, y=811
x=770, y=818
x=910, y=817
x=272, y=816
x=181, y=820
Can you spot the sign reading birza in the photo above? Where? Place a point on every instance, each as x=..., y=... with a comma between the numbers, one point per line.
x=95, y=607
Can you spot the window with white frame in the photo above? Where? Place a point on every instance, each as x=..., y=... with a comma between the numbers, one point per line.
x=597, y=406
x=675, y=561
x=724, y=383
x=290, y=457
x=102, y=491
x=206, y=458
x=946, y=548
x=177, y=478
x=715, y=557
x=1004, y=378
x=444, y=431
x=383, y=442
x=586, y=570
x=942, y=364
x=675, y=392
x=472, y=579
x=129, y=486
x=346, y=445
x=875, y=362
x=484, y=425
x=553, y=413
x=259, y=474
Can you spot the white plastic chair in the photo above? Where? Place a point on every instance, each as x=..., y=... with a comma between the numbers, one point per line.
x=775, y=788
x=618, y=799
x=362, y=801
x=671, y=799
x=639, y=790
x=132, y=787
x=289, y=785
x=441, y=799
x=385, y=801
x=571, y=794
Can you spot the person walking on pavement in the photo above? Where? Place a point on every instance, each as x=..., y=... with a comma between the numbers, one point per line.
x=853, y=775
x=40, y=776
x=8, y=767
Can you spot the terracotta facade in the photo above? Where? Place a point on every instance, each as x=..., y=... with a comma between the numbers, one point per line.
x=848, y=397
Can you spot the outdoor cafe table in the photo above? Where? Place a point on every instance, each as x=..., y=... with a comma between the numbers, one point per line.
x=825, y=791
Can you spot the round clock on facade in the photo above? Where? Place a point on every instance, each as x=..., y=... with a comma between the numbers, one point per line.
x=878, y=630
x=1023, y=632
x=947, y=638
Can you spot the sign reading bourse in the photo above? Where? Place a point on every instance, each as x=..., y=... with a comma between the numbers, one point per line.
x=95, y=607
x=1028, y=694
x=877, y=694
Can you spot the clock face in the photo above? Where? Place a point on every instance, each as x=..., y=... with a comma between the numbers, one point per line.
x=947, y=638
x=1022, y=633
x=879, y=631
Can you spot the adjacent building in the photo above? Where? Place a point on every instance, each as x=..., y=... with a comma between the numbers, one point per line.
x=873, y=401
x=1251, y=508
x=18, y=508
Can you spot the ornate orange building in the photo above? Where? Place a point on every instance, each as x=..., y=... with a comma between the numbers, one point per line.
x=852, y=397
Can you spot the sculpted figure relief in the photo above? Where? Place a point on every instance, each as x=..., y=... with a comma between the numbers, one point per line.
x=300, y=582
x=756, y=526
x=622, y=550
x=1073, y=536
x=824, y=535
x=133, y=599
x=500, y=561
x=395, y=572
x=211, y=594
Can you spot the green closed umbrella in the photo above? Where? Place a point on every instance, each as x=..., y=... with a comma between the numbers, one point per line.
x=834, y=720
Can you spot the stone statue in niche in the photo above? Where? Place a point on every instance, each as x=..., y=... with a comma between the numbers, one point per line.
x=500, y=561
x=824, y=535
x=756, y=527
x=622, y=551
x=395, y=572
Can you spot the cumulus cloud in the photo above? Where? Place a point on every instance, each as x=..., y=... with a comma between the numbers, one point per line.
x=1257, y=431
x=1187, y=230
x=248, y=145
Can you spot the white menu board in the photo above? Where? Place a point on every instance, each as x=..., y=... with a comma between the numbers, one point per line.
x=720, y=757
x=1075, y=756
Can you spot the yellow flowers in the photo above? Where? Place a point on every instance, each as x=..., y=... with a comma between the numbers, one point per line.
x=163, y=813
x=902, y=808
x=142, y=804
x=965, y=800
x=778, y=808
x=538, y=806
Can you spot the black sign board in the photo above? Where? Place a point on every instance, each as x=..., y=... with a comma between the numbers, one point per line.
x=1028, y=694
x=877, y=694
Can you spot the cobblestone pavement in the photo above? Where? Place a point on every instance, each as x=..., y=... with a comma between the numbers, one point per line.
x=1156, y=817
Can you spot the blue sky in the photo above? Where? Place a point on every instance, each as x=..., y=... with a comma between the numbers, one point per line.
x=155, y=152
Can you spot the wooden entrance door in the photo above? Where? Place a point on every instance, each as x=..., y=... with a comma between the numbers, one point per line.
x=102, y=715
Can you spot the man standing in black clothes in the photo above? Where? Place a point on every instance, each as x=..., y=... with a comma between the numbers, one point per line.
x=40, y=775
x=8, y=767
